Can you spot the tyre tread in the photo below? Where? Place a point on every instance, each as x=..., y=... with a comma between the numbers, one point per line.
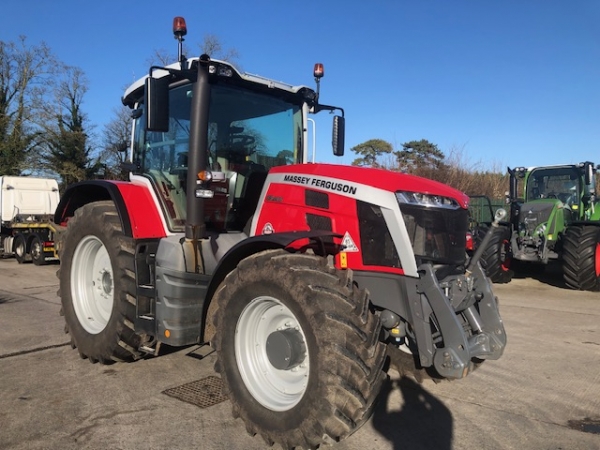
x=348, y=339
x=122, y=342
x=490, y=260
x=579, y=257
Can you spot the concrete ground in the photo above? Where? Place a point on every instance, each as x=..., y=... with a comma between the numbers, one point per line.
x=540, y=395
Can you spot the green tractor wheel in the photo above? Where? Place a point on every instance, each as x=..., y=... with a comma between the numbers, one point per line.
x=581, y=257
x=496, y=258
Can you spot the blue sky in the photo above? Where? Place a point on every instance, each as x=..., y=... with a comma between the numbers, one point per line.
x=512, y=82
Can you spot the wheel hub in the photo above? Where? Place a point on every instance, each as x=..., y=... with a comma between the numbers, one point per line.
x=92, y=284
x=285, y=349
x=107, y=282
x=272, y=354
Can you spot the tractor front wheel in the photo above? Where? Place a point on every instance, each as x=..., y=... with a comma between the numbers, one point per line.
x=298, y=349
x=496, y=259
x=581, y=257
x=96, y=282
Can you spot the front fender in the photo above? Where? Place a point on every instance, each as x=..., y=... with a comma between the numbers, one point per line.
x=317, y=241
x=263, y=242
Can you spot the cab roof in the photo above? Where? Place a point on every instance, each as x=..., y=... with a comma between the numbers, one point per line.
x=134, y=92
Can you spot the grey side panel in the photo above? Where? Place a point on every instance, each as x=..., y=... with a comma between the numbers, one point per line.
x=387, y=291
x=180, y=295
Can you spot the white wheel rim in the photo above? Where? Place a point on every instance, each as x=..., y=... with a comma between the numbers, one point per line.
x=277, y=390
x=36, y=249
x=20, y=248
x=92, y=285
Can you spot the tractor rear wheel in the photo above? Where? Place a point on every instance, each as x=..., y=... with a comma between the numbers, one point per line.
x=298, y=349
x=496, y=259
x=97, y=284
x=581, y=257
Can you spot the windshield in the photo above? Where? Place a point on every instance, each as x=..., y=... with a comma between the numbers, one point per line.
x=248, y=133
x=559, y=183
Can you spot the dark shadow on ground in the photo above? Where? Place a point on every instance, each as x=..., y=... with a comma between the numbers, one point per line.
x=422, y=423
x=550, y=274
x=7, y=298
x=10, y=259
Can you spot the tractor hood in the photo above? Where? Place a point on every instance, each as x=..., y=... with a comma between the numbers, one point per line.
x=544, y=216
x=377, y=178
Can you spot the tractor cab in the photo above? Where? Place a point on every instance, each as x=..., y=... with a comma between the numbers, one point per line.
x=568, y=187
x=561, y=183
x=248, y=133
x=205, y=137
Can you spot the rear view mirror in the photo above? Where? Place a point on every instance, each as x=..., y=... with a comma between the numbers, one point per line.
x=589, y=173
x=339, y=130
x=156, y=99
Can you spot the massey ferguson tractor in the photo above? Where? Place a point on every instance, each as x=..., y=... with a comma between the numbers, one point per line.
x=557, y=219
x=305, y=278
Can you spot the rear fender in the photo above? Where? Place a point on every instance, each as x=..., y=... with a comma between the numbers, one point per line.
x=140, y=216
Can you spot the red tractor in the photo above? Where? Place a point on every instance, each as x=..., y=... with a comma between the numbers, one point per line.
x=305, y=278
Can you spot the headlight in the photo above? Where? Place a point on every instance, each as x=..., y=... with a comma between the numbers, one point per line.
x=221, y=70
x=429, y=200
x=542, y=230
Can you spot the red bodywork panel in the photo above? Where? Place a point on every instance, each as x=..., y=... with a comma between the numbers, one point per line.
x=377, y=178
x=285, y=205
x=144, y=213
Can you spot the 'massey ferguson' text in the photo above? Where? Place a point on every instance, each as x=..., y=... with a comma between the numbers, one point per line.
x=320, y=183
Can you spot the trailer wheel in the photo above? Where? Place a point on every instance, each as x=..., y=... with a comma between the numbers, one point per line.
x=96, y=283
x=496, y=259
x=298, y=349
x=20, y=249
x=581, y=258
x=37, y=251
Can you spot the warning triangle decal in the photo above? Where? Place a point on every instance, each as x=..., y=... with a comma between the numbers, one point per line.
x=349, y=244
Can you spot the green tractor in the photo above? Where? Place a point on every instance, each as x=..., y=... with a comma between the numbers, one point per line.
x=555, y=218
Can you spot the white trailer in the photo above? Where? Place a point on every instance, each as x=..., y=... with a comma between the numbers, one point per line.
x=27, y=206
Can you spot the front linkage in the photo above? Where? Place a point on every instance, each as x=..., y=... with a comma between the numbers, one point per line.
x=455, y=319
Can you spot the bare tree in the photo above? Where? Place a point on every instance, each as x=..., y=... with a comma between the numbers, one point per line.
x=115, y=140
x=161, y=57
x=24, y=75
x=67, y=148
x=211, y=45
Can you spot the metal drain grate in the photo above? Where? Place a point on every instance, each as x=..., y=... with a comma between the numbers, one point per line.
x=203, y=393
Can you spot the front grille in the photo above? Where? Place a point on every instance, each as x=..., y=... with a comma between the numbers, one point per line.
x=534, y=214
x=437, y=235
